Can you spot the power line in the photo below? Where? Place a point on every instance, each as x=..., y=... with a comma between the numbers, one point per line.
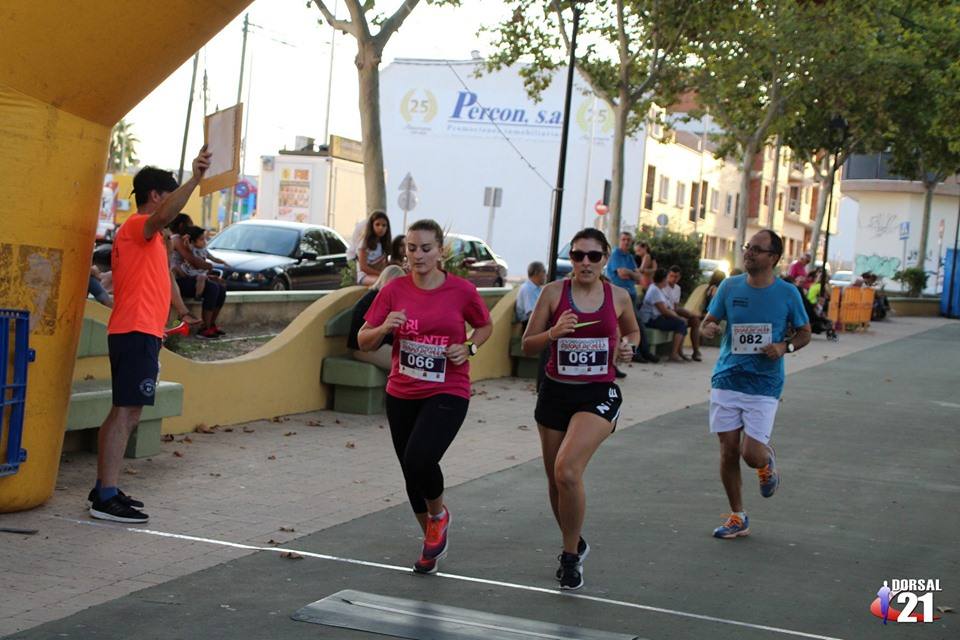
x=505, y=136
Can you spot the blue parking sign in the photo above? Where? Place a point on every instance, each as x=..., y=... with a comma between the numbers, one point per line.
x=904, y=230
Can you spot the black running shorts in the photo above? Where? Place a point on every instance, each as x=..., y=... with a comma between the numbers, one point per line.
x=134, y=368
x=558, y=401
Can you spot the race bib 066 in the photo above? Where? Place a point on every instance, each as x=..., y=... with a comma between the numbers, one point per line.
x=423, y=361
x=751, y=338
x=582, y=356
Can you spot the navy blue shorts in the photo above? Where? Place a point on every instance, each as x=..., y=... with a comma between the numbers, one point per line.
x=134, y=368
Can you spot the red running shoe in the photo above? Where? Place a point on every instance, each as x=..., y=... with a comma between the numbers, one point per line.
x=435, y=541
x=182, y=329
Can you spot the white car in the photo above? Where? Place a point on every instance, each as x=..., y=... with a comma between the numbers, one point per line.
x=707, y=267
x=842, y=279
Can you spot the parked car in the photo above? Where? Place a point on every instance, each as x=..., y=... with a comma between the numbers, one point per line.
x=278, y=255
x=564, y=266
x=484, y=267
x=708, y=266
x=842, y=279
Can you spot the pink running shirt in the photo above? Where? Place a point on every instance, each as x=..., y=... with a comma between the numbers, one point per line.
x=435, y=320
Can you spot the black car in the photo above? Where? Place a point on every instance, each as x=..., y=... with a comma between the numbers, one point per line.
x=277, y=255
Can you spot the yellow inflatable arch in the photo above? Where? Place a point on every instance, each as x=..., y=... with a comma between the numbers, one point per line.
x=65, y=79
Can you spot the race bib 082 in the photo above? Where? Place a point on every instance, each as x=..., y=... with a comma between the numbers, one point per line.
x=582, y=356
x=751, y=338
x=423, y=361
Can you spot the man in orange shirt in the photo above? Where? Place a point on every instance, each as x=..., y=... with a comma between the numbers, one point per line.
x=141, y=292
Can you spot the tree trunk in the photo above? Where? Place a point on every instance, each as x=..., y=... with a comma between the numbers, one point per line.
x=368, y=71
x=746, y=170
x=826, y=188
x=620, y=113
x=772, y=203
x=930, y=187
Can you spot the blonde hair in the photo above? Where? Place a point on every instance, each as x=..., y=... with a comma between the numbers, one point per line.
x=391, y=272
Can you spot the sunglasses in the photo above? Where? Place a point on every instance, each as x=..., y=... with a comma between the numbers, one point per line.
x=594, y=256
x=749, y=248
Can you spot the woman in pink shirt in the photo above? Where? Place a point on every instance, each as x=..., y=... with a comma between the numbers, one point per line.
x=579, y=319
x=428, y=388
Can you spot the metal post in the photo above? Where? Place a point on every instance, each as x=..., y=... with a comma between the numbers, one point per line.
x=586, y=179
x=243, y=56
x=186, y=127
x=558, y=191
x=826, y=240
x=326, y=119
x=953, y=264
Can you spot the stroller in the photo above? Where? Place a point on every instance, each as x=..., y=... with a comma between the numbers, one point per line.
x=819, y=322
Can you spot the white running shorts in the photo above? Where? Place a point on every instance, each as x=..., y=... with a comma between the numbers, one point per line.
x=730, y=410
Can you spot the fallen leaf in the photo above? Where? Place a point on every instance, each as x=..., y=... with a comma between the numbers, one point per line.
x=89, y=376
x=248, y=430
x=202, y=428
x=351, y=444
x=848, y=393
x=290, y=433
x=167, y=437
x=228, y=429
x=337, y=421
x=511, y=457
x=272, y=541
x=314, y=423
x=945, y=609
x=888, y=379
x=271, y=457
x=523, y=427
x=381, y=426
x=291, y=555
x=215, y=475
x=187, y=439
x=279, y=419
x=178, y=454
x=130, y=471
x=481, y=420
x=287, y=529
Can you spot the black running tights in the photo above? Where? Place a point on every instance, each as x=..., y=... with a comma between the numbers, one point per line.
x=422, y=430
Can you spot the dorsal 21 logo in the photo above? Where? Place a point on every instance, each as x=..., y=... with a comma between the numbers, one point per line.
x=916, y=596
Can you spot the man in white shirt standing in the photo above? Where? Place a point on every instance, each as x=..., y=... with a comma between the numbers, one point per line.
x=672, y=291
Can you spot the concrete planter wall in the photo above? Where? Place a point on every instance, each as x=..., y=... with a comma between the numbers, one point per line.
x=915, y=306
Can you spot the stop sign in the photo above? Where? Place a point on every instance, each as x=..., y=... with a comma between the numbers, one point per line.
x=601, y=208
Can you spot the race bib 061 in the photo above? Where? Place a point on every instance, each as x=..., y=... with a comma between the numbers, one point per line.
x=751, y=338
x=582, y=356
x=423, y=361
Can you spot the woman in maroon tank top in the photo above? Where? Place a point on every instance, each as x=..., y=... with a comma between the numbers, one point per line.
x=587, y=325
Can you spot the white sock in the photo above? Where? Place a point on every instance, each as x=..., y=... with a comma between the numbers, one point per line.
x=439, y=515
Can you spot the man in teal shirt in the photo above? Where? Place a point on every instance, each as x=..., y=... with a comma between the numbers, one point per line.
x=762, y=312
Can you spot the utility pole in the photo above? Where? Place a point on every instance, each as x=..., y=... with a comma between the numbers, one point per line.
x=207, y=204
x=565, y=134
x=243, y=55
x=186, y=127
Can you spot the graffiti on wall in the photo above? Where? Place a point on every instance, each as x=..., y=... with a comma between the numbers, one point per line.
x=30, y=280
x=883, y=266
x=880, y=224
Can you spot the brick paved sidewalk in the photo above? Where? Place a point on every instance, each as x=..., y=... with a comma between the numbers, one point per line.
x=270, y=482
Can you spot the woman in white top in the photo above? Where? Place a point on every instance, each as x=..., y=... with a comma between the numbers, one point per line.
x=657, y=312
x=374, y=250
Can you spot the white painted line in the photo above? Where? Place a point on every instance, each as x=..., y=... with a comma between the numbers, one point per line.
x=453, y=576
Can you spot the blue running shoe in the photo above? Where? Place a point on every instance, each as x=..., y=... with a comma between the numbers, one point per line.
x=734, y=527
x=769, y=476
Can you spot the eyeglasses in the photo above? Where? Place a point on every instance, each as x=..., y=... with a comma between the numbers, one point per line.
x=593, y=256
x=750, y=248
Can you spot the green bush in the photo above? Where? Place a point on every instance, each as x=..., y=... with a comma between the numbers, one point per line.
x=348, y=275
x=672, y=248
x=915, y=279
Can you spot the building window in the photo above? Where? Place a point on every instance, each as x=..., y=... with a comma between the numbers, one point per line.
x=681, y=195
x=736, y=210
x=728, y=207
x=648, y=191
x=664, y=189
x=794, y=199
x=780, y=201
x=694, y=196
x=766, y=195
x=714, y=200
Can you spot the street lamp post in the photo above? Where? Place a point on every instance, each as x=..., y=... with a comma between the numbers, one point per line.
x=565, y=132
x=838, y=123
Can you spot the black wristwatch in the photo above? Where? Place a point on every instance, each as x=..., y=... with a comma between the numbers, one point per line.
x=471, y=348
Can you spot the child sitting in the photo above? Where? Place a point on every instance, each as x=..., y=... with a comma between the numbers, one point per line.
x=195, y=238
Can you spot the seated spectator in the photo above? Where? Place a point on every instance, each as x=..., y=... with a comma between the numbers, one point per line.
x=196, y=239
x=373, y=252
x=213, y=294
x=530, y=291
x=715, y=279
x=398, y=251
x=673, y=293
x=95, y=288
x=380, y=357
x=646, y=263
x=656, y=312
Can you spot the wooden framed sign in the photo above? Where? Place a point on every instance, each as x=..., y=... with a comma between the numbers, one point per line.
x=221, y=134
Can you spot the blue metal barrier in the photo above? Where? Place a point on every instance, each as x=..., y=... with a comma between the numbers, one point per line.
x=13, y=393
